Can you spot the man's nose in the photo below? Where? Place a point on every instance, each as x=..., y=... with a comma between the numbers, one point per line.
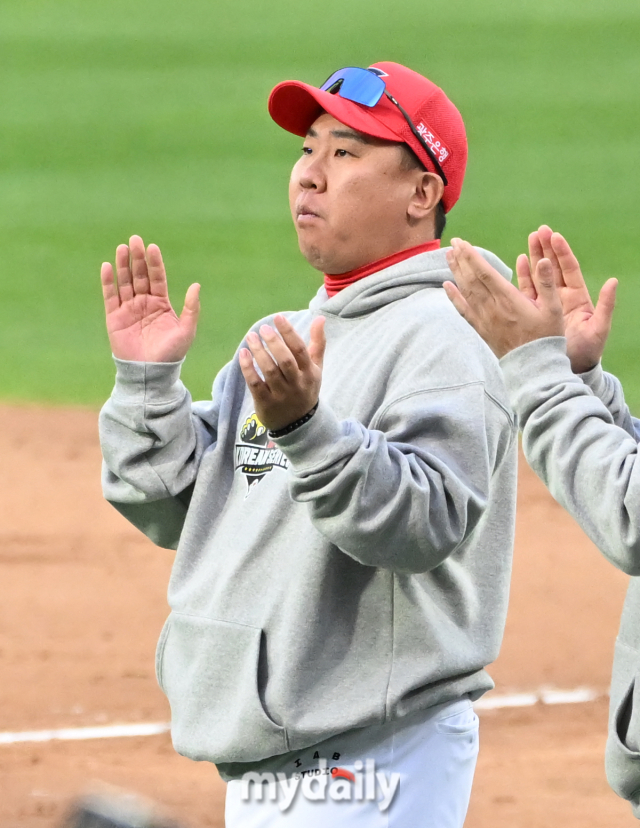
x=313, y=176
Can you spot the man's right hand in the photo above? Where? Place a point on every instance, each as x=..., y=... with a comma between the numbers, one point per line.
x=142, y=325
x=503, y=316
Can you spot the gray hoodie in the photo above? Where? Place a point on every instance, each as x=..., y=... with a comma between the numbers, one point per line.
x=350, y=573
x=579, y=437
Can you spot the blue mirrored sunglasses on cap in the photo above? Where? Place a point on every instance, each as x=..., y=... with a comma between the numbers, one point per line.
x=364, y=86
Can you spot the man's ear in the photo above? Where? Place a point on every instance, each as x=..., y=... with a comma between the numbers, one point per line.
x=426, y=196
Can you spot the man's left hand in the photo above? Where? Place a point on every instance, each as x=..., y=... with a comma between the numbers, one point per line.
x=292, y=372
x=503, y=316
x=586, y=327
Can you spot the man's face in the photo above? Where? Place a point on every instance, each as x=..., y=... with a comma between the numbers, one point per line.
x=349, y=196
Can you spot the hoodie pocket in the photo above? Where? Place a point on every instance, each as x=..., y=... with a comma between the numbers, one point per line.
x=208, y=670
x=623, y=743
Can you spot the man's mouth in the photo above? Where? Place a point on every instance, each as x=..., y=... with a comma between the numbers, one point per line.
x=305, y=214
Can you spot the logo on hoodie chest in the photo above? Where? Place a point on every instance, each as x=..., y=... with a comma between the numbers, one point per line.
x=255, y=454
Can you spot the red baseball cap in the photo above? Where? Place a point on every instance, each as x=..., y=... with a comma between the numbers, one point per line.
x=294, y=106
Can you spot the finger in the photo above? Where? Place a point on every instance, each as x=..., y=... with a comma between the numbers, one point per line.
x=280, y=352
x=476, y=275
x=535, y=250
x=458, y=301
x=256, y=385
x=317, y=341
x=272, y=374
x=123, y=270
x=138, y=265
x=525, y=282
x=466, y=264
x=109, y=289
x=571, y=272
x=294, y=341
x=452, y=261
x=191, y=311
x=544, y=234
x=156, y=271
x=547, y=289
x=603, y=313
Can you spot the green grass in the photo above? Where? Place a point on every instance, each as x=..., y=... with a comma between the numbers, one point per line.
x=150, y=118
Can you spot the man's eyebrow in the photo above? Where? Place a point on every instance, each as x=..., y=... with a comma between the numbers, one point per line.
x=342, y=133
x=349, y=133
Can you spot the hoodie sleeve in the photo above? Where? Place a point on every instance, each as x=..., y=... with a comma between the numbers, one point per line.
x=152, y=441
x=407, y=494
x=571, y=440
x=608, y=389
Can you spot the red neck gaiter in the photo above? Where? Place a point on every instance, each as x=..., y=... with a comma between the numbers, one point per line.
x=334, y=284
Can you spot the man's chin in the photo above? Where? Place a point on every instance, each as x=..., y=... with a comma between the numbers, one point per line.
x=315, y=256
x=327, y=260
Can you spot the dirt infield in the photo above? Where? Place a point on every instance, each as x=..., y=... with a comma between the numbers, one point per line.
x=83, y=600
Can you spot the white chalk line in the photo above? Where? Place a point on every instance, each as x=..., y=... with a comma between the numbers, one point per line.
x=492, y=702
x=74, y=733
x=543, y=696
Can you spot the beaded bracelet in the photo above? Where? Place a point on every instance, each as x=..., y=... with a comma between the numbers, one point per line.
x=282, y=432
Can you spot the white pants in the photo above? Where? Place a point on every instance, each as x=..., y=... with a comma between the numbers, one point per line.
x=415, y=773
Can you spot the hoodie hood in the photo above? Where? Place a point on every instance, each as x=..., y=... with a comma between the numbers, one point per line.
x=426, y=270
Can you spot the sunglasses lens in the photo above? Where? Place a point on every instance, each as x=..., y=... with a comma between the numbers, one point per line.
x=357, y=85
x=334, y=80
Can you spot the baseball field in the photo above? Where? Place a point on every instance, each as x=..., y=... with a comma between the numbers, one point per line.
x=150, y=118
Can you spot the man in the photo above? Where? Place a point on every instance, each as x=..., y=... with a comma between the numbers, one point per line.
x=343, y=512
x=577, y=432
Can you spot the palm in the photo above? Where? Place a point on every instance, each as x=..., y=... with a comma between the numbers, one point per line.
x=581, y=333
x=586, y=327
x=146, y=328
x=141, y=323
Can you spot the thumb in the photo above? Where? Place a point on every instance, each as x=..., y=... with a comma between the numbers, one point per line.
x=317, y=341
x=603, y=312
x=191, y=309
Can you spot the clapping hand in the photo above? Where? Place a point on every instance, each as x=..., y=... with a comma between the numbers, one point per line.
x=141, y=323
x=553, y=299
x=503, y=316
x=586, y=327
x=292, y=372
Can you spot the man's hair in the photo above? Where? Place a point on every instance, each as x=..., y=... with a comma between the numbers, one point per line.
x=410, y=161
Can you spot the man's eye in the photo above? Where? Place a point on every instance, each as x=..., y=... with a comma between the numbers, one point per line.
x=341, y=153
x=306, y=150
